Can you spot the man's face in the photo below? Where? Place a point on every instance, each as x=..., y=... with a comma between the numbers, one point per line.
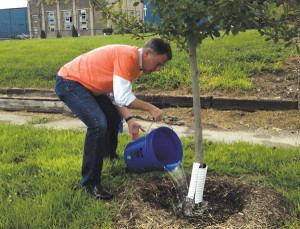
x=152, y=63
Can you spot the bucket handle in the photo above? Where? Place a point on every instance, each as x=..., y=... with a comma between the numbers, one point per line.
x=163, y=120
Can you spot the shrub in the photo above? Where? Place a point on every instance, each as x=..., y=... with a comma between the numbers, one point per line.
x=108, y=31
x=74, y=32
x=43, y=34
x=58, y=35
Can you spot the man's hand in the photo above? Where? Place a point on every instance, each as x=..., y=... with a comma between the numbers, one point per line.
x=156, y=113
x=134, y=128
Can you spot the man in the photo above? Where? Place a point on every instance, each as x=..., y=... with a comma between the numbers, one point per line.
x=96, y=86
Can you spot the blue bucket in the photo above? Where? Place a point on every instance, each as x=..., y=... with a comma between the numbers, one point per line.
x=121, y=125
x=159, y=150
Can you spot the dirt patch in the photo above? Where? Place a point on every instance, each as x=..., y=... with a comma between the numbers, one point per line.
x=233, y=120
x=283, y=85
x=232, y=203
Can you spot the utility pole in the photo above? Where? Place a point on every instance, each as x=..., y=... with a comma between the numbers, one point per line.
x=298, y=75
x=29, y=20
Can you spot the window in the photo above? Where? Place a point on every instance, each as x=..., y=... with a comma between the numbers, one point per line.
x=139, y=16
x=83, y=19
x=131, y=13
x=35, y=30
x=34, y=19
x=51, y=21
x=67, y=15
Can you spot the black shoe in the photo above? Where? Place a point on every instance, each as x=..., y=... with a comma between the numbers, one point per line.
x=99, y=192
x=114, y=156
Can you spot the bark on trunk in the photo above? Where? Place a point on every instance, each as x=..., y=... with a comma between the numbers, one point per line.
x=298, y=73
x=196, y=106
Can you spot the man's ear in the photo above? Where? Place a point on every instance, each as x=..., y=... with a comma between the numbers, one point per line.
x=147, y=52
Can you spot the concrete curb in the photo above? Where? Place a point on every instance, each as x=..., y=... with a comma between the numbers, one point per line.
x=220, y=103
x=46, y=101
x=33, y=105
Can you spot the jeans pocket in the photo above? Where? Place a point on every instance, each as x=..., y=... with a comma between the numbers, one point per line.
x=62, y=86
x=65, y=86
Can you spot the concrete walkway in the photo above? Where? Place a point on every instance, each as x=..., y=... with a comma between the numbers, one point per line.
x=268, y=138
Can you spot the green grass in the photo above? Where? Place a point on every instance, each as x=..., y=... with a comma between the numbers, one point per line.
x=39, y=120
x=223, y=64
x=40, y=171
x=35, y=63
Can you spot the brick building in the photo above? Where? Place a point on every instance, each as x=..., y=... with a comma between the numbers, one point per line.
x=57, y=19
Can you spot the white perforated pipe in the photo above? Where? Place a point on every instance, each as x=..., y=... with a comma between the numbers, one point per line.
x=201, y=177
x=193, y=182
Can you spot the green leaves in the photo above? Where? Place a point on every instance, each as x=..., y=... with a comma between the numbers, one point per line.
x=279, y=22
x=136, y=3
x=120, y=19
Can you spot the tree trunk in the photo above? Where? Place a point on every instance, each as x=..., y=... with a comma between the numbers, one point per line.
x=298, y=73
x=196, y=106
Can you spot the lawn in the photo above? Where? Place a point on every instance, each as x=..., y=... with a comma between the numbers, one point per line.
x=40, y=174
x=224, y=63
x=40, y=169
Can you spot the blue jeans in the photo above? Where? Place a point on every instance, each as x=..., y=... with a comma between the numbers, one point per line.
x=102, y=120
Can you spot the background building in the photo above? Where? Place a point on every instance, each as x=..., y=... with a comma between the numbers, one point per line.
x=57, y=19
x=13, y=22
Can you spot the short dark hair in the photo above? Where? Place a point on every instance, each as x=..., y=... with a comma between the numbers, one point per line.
x=158, y=47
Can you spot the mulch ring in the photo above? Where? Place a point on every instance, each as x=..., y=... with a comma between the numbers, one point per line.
x=233, y=203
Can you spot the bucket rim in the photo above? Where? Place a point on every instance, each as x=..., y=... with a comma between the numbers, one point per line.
x=174, y=135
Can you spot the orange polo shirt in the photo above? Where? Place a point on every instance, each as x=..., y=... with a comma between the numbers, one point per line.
x=95, y=69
